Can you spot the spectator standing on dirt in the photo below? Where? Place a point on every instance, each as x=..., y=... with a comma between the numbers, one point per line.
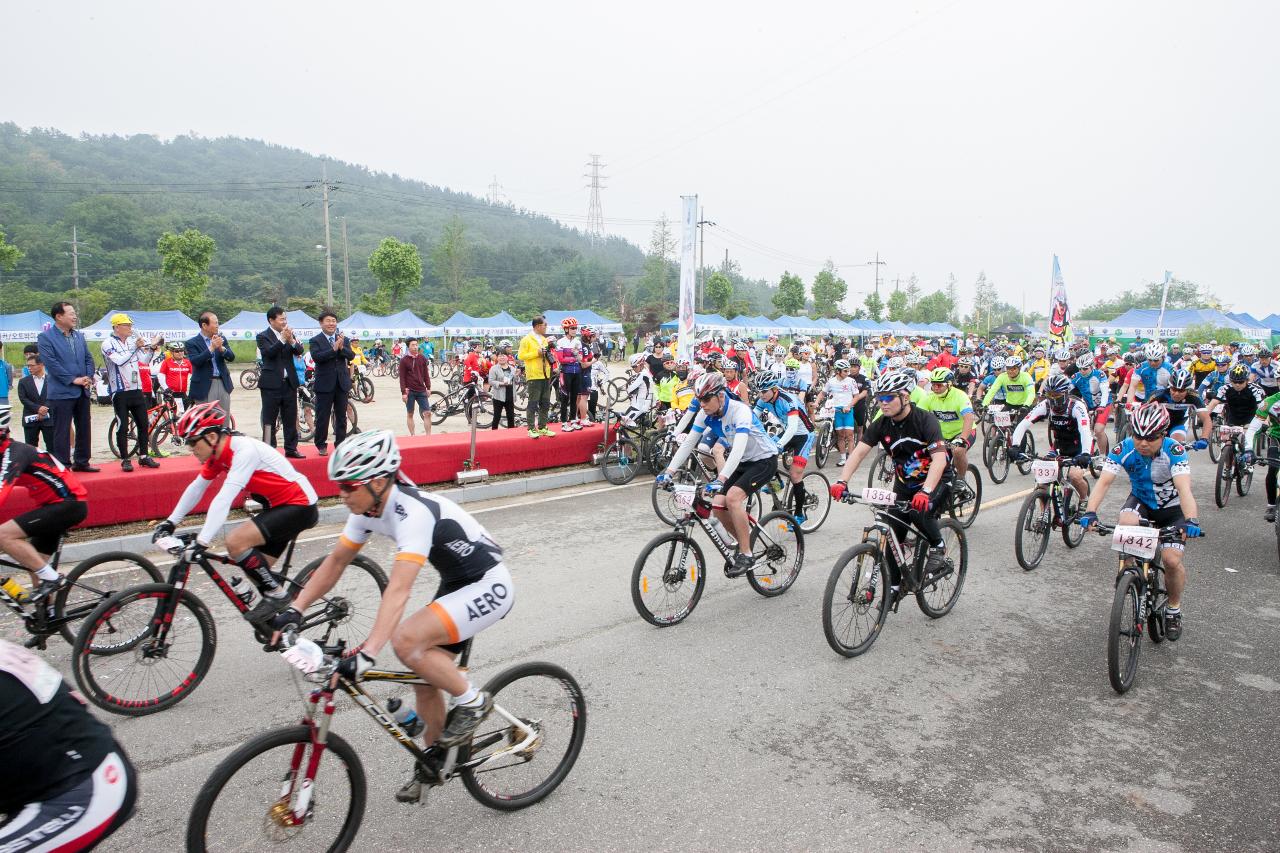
x=415, y=386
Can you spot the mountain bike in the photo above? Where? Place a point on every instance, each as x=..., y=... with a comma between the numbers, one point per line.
x=1052, y=504
x=698, y=470
x=160, y=420
x=644, y=444
x=466, y=400
x=361, y=385
x=250, y=375
x=1215, y=438
x=995, y=448
x=1140, y=602
x=824, y=435
x=779, y=489
x=307, y=414
x=92, y=581
x=1231, y=471
x=148, y=647
x=306, y=780
x=875, y=575
x=965, y=499
x=670, y=573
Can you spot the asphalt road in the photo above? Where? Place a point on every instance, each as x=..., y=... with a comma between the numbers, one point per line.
x=994, y=727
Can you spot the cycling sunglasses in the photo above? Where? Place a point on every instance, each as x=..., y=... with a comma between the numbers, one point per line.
x=707, y=398
x=351, y=486
x=886, y=398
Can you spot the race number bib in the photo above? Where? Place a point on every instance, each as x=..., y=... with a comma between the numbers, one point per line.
x=879, y=497
x=1001, y=419
x=684, y=496
x=1225, y=430
x=1044, y=470
x=1135, y=541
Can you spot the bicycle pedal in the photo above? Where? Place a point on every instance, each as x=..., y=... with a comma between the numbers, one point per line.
x=40, y=641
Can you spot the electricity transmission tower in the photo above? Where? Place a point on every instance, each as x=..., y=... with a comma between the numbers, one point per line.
x=595, y=217
x=495, y=191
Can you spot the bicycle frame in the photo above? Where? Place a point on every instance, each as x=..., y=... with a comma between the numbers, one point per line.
x=34, y=619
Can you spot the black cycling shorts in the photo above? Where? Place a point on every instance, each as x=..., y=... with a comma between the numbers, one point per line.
x=751, y=476
x=45, y=525
x=573, y=385
x=1166, y=517
x=280, y=525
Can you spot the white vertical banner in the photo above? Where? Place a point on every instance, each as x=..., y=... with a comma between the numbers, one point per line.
x=1164, y=298
x=688, y=276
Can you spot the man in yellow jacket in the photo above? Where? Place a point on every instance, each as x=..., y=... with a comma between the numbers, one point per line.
x=539, y=360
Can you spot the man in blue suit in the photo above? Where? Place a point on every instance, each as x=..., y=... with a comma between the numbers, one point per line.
x=209, y=354
x=70, y=366
x=332, y=353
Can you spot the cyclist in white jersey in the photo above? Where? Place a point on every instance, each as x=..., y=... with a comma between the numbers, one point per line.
x=475, y=586
x=1264, y=372
x=752, y=459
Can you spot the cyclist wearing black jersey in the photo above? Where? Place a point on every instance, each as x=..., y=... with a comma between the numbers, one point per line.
x=922, y=461
x=1238, y=397
x=1069, y=432
x=1182, y=404
x=475, y=586
x=68, y=784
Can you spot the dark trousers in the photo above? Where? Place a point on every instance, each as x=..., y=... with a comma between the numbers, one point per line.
x=282, y=403
x=129, y=404
x=330, y=404
x=539, y=402
x=509, y=406
x=35, y=432
x=66, y=413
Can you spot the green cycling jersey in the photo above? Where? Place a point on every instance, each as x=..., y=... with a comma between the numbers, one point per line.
x=1269, y=411
x=1018, y=391
x=950, y=408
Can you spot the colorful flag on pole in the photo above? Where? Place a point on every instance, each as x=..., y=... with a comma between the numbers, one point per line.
x=1059, y=312
x=688, y=277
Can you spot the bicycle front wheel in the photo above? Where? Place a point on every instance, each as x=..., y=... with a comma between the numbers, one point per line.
x=249, y=379
x=1225, y=476
x=256, y=794
x=96, y=579
x=938, y=595
x=998, y=466
x=777, y=544
x=347, y=611
x=664, y=502
x=668, y=577
x=528, y=745
x=621, y=462
x=1031, y=536
x=1124, y=637
x=439, y=408
x=123, y=667
x=856, y=601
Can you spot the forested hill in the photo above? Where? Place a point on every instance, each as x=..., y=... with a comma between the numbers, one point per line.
x=261, y=204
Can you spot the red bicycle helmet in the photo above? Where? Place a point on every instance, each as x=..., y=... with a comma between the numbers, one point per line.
x=200, y=419
x=569, y=322
x=1150, y=420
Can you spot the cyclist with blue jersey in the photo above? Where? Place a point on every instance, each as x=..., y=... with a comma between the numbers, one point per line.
x=1153, y=374
x=1159, y=493
x=1210, y=384
x=1184, y=403
x=1091, y=385
x=797, y=436
x=751, y=462
x=1264, y=372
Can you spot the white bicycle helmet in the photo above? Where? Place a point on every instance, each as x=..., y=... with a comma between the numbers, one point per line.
x=1012, y=361
x=1085, y=361
x=708, y=383
x=365, y=455
x=638, y=359
x=1153, y=351
x=841, y=364
x=997, y=363
x=895, y=382
x=1248, y=350
x=897, y=363
x=1061, y=354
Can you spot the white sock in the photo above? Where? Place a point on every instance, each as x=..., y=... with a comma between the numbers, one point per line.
x=470, y=697
x=47, y=573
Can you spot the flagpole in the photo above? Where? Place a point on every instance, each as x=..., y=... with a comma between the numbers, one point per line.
x=1164, y=298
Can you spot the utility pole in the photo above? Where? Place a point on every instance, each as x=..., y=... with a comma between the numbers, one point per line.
x=346, y=267
x=702, y=241
x=877, y=263
x=595, y=215
x=896, y=279
x=725, y=269
x=75, y=258
x=328, y=245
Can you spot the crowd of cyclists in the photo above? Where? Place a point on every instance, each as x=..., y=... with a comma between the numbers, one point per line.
x=750, y=407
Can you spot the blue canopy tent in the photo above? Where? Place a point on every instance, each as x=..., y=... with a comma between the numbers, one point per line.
x=1144, y=322
x=406, y=324
x=585, y=317
x=24, y=327
x=703, y=323
x=171, y=325
x=246, y=325
x=501, y=323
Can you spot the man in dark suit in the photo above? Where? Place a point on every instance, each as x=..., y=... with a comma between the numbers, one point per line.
x=332, y=354
x=33, y=393
x=278, y=381
x=209, y=353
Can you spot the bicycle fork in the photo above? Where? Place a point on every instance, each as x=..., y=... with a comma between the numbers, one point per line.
x=294, y=804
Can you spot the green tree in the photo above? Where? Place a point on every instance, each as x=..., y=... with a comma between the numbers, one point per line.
x=9, y=253
x=398, y=268
x=451, y=258
x=898, y=308
x=953, y=293
x=1205, y=332
x=913, y=292
x=1183, y=294
x=143, y=290
x=185, y=258
x=829, y=291
x=874, y=306
x=654, y=287
x=790, y=296
x=720, y=291
x=933, y=308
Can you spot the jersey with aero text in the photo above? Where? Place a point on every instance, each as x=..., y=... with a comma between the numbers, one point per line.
x=1240, y=405
x=911, y=443
x=429, y=528
x=250, y=466
x=46, y=479
x=736, y=419
x=1150, y=478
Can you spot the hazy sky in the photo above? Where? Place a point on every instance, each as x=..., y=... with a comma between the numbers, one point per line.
x=1129, y=138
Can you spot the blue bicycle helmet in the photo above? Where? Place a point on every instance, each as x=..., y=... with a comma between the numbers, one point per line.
x=768, y=382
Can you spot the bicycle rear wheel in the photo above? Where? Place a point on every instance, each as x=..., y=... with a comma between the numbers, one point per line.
x=965, y=510
x=856, y=601
x=817, y=501
x=621, y=462
x=241, y=806
x=777, y=543
x=937, y=597
x=881, y=474
x=122, y=668
x=1028, y=448
x=1245, y=480
x=1073, y=506
x=306, y=421
x=131, y=437
x=249, y=379
x=1124, y=637
x=1226, y=474
x=347, y=610
x=548, y=699
x=668, y=577
x=1031, y=535
x=96, y=579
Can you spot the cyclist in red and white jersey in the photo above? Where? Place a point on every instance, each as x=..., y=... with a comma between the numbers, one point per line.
x=33, y=537
x=174, y=373
x=475, y=586
x=258, y=469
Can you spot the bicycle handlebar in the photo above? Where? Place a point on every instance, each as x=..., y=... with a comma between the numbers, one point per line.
x=1167, y=534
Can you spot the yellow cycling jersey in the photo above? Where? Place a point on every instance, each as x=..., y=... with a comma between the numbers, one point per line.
x=682, y=396
x=1038, y=369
